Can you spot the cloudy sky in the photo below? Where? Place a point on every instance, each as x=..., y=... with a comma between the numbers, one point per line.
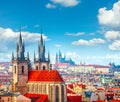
x=88, y=31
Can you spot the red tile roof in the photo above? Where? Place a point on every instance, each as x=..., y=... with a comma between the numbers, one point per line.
x=70, y=91
x=74, y=98
x=70, y=86
x=37, y=97
x=45, y=76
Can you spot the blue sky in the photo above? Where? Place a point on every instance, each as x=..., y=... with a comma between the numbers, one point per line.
x=88, y=31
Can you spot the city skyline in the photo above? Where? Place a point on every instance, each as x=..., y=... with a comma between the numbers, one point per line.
x=85, y=31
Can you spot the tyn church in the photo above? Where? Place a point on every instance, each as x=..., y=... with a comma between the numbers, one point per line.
x=42, y=80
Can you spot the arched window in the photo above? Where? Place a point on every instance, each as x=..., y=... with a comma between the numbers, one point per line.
x=36, y=67
x=15, y=69
x=22, y=69
x=57, y=93
x=62, y=89
x=43, y=67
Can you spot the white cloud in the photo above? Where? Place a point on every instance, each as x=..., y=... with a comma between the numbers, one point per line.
x=58, y=45
x=115, y=45
x=75, y=34
x=66, y=3
x=112, y=35
x=110, y=18
x=72, y=55
x=50, y=6
x=107, y=58
x=9, y=39
x=91, y=42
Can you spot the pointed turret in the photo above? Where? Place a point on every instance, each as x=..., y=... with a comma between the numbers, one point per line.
x=43, y=53
x=48, y=57
x=12, y=55
x=20, y=38
x=64, y=56
x=41, y=49
x=28, y=56
x=41, y=41
x=34, y=56
x=17, y=50
x=20, y=48
x=56, y=60
x=60, y=55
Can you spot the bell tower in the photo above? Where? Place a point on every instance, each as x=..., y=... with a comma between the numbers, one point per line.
x=21, y=66
x=41, y=63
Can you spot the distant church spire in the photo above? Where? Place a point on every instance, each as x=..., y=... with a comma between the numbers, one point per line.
x=56, y=60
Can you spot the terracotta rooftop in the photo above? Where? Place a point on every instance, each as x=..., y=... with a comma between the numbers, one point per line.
x=45, y=76
x=37, y=97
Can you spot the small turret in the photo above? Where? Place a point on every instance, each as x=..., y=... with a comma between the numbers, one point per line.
x=28, y=56
x=12, y=55
x=48, y=57
x=34, y=56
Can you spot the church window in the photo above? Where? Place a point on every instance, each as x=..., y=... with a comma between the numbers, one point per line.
x=36, y=67
x=15, y=69
x=22, y=69
x=57, y=94
x=43, y=67
x=62, y=90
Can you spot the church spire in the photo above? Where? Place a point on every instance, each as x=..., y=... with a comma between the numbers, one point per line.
x=28, y=56
x=20, y=48
x=48, y=57
x=20, y=38
x=17, y=50
x=41, y=49
x=41, y=40
x=56, y=60
x=34, y=56
x=12, y=55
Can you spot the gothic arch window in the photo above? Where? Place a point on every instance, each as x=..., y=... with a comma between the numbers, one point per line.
x=57, y=93
x=44, y=90
x=51, y=93
x=36, y=67
x=43, y=67
x=15, y=69
x=22, y=69
x=63, y=92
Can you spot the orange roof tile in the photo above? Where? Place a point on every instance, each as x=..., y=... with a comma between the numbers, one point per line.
x=45, y=76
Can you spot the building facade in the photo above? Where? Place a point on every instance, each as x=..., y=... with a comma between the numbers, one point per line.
x=40, y=80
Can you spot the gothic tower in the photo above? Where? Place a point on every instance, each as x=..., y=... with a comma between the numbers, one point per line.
x=41, y=63
x=21, y=66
